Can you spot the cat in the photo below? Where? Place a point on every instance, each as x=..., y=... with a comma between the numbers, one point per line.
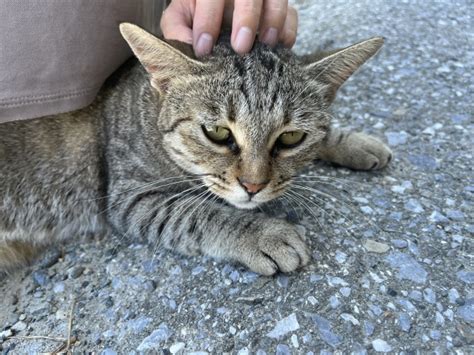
x=180, y=151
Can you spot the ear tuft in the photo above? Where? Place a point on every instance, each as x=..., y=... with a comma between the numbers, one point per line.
x=337, y=67
x=163, y=62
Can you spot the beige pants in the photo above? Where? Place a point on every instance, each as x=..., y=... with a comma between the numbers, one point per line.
x=55, y=55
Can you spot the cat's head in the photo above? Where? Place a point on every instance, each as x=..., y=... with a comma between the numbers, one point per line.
x=246, y=123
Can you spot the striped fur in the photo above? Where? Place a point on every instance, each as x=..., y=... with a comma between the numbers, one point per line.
x=138, y=162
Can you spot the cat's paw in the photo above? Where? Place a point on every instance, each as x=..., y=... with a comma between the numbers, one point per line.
x=278, y=247
x=365, y=152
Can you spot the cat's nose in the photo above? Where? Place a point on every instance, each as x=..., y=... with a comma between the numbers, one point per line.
x=252, y=188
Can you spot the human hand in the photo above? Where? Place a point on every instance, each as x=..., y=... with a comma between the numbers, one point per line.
x=198, y=22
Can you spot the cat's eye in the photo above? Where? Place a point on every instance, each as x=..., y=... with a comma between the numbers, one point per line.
x=291, y=139
x=217, y=134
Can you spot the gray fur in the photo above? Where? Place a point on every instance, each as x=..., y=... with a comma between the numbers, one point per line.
x=137, y=161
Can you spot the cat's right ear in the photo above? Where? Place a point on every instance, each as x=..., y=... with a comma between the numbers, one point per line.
x=161, y=61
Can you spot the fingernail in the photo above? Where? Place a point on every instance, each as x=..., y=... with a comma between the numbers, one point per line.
x=243, y=40
x=204, y=44
x=270, y=36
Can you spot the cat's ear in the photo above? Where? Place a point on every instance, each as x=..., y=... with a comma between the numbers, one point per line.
x=161, y=60
x=335, y=68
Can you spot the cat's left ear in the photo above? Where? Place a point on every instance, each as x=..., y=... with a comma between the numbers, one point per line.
x=337, y=67
x=163, y=62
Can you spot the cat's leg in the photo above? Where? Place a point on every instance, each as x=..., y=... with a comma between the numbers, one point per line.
x=355, y=150
x=265, y=245
x=15, y=252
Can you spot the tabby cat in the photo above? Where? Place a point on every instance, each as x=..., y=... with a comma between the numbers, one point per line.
x=182, y=152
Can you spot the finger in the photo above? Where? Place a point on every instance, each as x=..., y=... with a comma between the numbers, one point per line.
x=273, y=20
x=176, y=21
x=245, y=24
x=207, y=25
x=288, y=35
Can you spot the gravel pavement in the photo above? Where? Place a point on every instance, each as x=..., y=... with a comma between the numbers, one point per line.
x=392, y=268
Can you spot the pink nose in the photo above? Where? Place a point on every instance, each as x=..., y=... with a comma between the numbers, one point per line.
x=252, y=188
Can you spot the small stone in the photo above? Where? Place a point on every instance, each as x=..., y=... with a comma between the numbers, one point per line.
x=350, y=318
x=294, y=341
x=408, y=268
x=19, y=326
x=435, y=334
x=176, y=347
x=58, y=287
x=40, y=277
x=399, y=243
x=345, y=291
x=325, y=332
x=437, y=217
x=284, y=326
x=453, y=295
x=108, y=351
x=375, y=247
x=313, y=300
x=466, y=276
x=366, y=209
x=439, y=318
x=75, y=272
x=5, y=334
x=368, y=328
x=414, y=206
x=155, y=339
x=334, y=302
x=381, y=346
x=429, y=295
x=466, y=312
x=61, y=314
x=336, y=281
x=396, y=138
x=455, y=215
x=404, y=321
x=282, y=349
x=340, y=257
x=232, y=330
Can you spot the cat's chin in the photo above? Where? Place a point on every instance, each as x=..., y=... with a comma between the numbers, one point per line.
x=244, y=205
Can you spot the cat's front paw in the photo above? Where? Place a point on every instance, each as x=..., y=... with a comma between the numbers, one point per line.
x=276, y=247
x=365, y=152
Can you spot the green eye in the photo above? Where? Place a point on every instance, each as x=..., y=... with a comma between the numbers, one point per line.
x=291, y=139
x=217, y=134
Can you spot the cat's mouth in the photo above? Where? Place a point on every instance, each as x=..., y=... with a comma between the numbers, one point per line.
x=239, y=198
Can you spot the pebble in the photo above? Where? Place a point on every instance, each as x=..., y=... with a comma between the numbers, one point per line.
x=429, y=295
x=76, y=271
x=466, y=276
x=19, y=326
x=350, y=318
x=283, y=349
x=438, y=217
x=381, y=346
x=40, y=277
x=340, y=257
x=345, y=291
x=455, y=215
x=414, y=206
x=375, y=247
x=404, y=321
x=466, y=312
x=325, y=332
x=108, y=351
x=399, y=243
x=58, y=287
x=453, y=295
x=334, y=301
x=176, y=347
x=408, y=268
x=284, y=326
x=155, y=339
x=396, y=138
x=368, y=328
